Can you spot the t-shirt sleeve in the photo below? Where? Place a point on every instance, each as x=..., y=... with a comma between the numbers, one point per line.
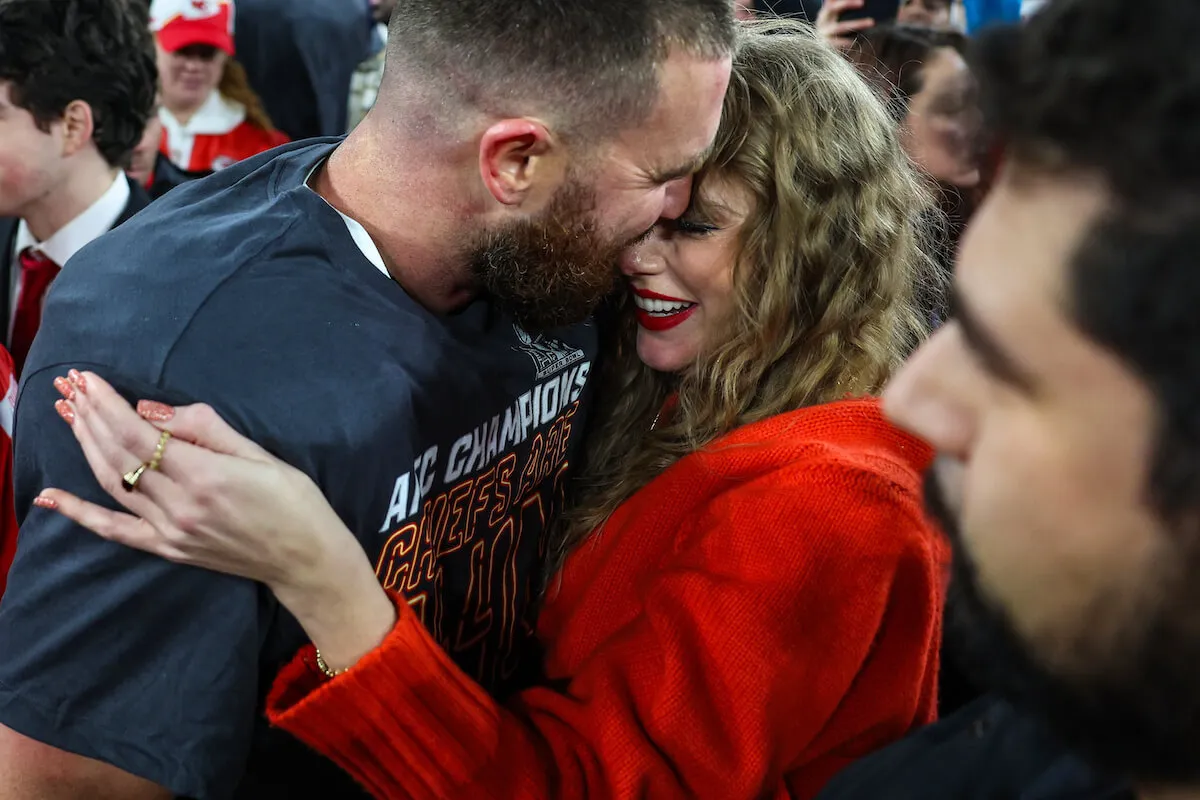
x=114, y=654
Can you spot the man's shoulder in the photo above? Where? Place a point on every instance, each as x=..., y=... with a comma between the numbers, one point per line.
x=247, y=200
x=252, y=236
x=209, y=228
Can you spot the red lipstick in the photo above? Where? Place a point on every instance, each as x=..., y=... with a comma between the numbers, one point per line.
x=656, y=324
x=656, y=296
x=659, y=320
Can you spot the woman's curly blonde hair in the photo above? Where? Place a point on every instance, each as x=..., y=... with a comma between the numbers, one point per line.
x=831, y=257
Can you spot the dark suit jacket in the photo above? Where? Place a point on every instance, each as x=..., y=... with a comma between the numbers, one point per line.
x=985, y=751
x=138, y=199
x=300, y=56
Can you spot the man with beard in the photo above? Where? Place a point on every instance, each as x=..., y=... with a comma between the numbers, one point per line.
x=400, y=315
x=1064, y=399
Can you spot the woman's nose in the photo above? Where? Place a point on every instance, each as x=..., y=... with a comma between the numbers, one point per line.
x=645, y=257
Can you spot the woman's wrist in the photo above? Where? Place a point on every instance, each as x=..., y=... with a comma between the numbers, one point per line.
x=343, y=609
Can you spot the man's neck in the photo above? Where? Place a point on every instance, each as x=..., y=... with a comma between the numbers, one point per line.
x=407, y=195
x=84, y=184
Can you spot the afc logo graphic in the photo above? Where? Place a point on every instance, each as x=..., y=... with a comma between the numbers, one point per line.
x=549, y=354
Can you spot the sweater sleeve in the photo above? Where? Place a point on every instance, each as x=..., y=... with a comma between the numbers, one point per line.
x=788, y=595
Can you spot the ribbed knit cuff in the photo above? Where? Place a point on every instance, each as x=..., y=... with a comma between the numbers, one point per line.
x=404, y=720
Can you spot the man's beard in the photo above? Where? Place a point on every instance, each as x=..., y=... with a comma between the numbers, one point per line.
x=1135, y=712
x=553, y=270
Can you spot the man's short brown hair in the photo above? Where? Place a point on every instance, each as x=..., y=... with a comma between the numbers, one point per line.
x=591, y=67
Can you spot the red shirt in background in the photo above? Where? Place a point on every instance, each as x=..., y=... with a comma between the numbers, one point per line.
x=8, y=514
x=216, y=136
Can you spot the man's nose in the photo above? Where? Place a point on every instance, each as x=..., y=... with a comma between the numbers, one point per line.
x=927, y=399
x=677, y=198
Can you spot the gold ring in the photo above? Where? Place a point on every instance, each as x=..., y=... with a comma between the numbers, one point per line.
x=130, y=479
x=156, y=460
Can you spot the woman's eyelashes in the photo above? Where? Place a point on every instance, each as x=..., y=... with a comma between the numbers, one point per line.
x=693, y=227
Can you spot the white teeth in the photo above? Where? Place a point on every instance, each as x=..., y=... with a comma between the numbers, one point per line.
x=664, y=307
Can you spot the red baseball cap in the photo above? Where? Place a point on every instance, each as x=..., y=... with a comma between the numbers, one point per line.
x=180, y=23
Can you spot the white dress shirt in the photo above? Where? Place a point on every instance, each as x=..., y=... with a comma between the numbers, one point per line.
x=357, y=232
x=95, y=220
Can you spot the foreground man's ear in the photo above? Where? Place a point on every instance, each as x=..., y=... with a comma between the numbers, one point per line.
x=520, y=159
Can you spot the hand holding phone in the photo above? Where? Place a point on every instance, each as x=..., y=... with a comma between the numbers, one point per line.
x=839, y=20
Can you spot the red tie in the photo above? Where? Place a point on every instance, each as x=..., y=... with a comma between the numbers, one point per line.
x=37, y=273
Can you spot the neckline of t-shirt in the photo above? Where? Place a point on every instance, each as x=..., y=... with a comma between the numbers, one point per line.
x=477, y=317
x=362, y=240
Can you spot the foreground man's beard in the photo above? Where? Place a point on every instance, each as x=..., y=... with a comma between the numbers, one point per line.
x=1136, y=710
x=550, y=271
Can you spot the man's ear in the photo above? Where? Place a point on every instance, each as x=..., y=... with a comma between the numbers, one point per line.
x=520, y=158
x=78, y=127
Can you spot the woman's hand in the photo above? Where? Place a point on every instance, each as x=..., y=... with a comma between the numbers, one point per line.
x=838, y=33
x=221, y=502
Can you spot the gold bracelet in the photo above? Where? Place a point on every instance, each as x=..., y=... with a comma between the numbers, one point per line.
x=329, y=673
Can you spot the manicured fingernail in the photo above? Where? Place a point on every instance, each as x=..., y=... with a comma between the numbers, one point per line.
x=46, y=502
x=154, y=411
x=64, y=388
x=65, y=411
x=78, y=380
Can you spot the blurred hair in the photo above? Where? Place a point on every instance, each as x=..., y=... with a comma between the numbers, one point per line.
x=892, y=59
x=831, y=258
x=235, y=85
x=101, y=52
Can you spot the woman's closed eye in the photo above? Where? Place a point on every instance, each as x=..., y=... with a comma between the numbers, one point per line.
x=694, y=227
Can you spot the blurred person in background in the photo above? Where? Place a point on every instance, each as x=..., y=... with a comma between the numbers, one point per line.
x=843, y=33
x=364, y=87
x=77, y=82
x=747, y=595
x=922, y=75
x=301, y=57
x=926, y=13
x=144, y=158
x=151, y=168
x=210, y=116
x=149, y=165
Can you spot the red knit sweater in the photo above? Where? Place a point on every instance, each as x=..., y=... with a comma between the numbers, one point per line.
x=757, y=617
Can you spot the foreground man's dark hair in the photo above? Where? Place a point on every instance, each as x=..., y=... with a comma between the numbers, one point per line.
x=1088, y=88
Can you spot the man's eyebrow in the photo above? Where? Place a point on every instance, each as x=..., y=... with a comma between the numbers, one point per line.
x=683, y=170
x=993, y=356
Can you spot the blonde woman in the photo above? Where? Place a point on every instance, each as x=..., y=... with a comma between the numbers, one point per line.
x=746, y=597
